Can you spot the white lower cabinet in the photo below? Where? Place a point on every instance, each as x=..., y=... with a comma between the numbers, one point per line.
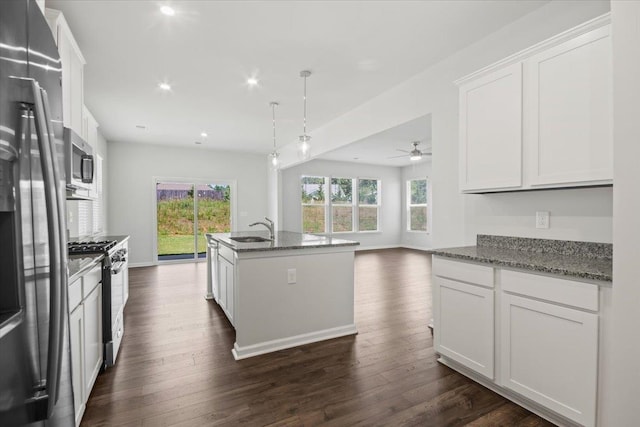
x=92, y=307
x=545, y=333
x=464, y=324
x=226, y=287
x=85, y=331
x=76, y=328
x=549, y=342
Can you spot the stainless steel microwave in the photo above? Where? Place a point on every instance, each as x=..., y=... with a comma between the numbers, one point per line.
x=79, y=162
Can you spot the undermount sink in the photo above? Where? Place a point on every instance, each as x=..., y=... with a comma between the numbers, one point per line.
x=250, y=239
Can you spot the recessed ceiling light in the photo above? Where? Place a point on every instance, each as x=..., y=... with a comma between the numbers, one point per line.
x=252, y=81
x=204, y=134
x=165, y=86
x=167, y=10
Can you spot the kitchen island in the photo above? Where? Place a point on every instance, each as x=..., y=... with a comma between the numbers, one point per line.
x=283, y=292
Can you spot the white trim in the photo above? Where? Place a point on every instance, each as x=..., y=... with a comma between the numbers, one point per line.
x=142, y=264
x=583, y=28
x=289, y=342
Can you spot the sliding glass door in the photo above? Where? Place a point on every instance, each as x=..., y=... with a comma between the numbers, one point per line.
x=185, y=211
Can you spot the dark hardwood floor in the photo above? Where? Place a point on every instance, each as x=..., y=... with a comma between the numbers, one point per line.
x=175, y=365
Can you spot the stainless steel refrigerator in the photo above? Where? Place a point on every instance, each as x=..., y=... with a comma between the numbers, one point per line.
x=35, y=370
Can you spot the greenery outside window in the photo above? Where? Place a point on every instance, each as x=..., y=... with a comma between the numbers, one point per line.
x=313, y=204
x=417, y=205
x=368, y=204
x=341, y=205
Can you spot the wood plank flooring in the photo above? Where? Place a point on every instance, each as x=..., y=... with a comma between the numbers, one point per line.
x=175, y=365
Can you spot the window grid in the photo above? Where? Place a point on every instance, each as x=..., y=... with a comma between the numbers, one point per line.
x=417, y=205
x=337, y=205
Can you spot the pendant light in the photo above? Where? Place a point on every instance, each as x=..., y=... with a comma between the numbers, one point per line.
x=304, y=148
x=274, y=155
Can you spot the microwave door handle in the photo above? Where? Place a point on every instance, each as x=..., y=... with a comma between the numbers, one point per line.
x=90, y=159
x=56, y=293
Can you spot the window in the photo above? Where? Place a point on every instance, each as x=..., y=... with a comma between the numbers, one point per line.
x=368, y=204
x=313, y=204
x=341, y=205
x=329, y=204
x=417, y=205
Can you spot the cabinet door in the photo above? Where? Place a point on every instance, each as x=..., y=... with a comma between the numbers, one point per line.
x=76, y=93
x=491, y=131
x=464, y=324
x=76, y=334
x=229, y=284
x=550, y=355
x=222, y=282
x=92, y=338
x=569, y=111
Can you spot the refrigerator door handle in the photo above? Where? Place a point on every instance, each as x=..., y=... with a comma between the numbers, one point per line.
x=58, y=178
x=44, y=400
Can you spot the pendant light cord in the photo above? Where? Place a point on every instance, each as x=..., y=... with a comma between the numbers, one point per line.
x=304, y=120
x=273, y=111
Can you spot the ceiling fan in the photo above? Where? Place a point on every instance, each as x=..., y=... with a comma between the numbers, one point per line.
x=414, y=155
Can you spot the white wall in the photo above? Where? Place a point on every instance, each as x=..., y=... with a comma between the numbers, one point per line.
x=433, y=92
x=414, y=239
x=131, y=171
x=622, y=381
x=575, y=214
x=390, y=218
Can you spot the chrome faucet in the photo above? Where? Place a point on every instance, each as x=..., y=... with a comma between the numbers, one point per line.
x=269, y=226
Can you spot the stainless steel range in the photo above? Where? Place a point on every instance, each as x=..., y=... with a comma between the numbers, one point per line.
x=115, y=288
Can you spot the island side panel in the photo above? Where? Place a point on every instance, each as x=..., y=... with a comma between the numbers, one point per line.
x=272, y=314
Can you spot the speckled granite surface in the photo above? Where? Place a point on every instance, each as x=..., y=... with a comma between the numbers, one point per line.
x=585, y=260
x=284, y=240
x=561, y=247
x=80, y=264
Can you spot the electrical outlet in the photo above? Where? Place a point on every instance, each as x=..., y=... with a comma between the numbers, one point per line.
x=291, y=276
x=542, y=219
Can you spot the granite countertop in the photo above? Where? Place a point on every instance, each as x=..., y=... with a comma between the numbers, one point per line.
x=80, y=264
x=585, y=260
x=284, y=240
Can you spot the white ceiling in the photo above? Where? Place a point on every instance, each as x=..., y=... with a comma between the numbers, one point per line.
x=377, y=149
x=355, y=49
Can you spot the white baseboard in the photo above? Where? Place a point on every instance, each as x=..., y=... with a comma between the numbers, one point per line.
x=141, y=264
x=295, y=341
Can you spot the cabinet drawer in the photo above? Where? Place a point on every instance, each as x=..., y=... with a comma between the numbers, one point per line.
x=226, y=253
x=463, y=271
x=91, y=280
x=561, y=291
x=75, y=294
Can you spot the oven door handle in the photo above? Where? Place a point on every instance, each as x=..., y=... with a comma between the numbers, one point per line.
x=118, y=267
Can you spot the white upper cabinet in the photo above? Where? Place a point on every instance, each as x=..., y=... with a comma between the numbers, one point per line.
x=491, y=130
x=569, y=90
x=72, y=70
x=542, y=117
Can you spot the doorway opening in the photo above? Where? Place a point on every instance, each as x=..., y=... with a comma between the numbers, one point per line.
x=185, y=212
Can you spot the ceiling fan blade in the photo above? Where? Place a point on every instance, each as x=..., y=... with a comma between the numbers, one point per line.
x=396, y=157
x=404, y=151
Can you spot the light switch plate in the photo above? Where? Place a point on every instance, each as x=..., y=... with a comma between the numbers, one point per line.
x=542, y=219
